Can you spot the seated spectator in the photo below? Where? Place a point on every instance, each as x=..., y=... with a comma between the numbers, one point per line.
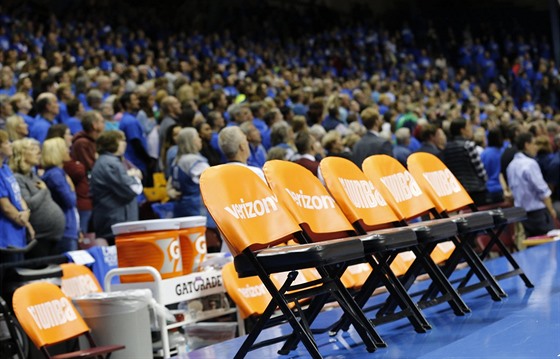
x=114, y=189
x=529, y=189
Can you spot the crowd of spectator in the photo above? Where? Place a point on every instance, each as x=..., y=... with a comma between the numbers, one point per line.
x=126, y=105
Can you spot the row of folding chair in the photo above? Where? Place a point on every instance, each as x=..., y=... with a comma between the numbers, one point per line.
x=368, y=227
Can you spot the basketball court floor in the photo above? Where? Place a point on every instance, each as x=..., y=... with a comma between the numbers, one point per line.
x=526, y=324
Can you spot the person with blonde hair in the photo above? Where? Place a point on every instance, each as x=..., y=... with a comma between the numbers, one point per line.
x=185, y=174
x=55, y=153
x=14, y=213
x=46, y=216
x=16, y=127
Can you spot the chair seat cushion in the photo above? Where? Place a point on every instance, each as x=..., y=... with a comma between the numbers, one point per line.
x=508, y=215
x=389, y=239
x=299, y=256
x=90, y=352
x=473, y=222
x=434, y=230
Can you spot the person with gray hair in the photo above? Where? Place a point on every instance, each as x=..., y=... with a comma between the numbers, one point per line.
x=240, y=113
x=401, y=150
x=184, y=182
x=234, y=145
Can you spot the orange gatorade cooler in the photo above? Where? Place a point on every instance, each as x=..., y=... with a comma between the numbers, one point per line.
x=152, y=243
x=193, y=242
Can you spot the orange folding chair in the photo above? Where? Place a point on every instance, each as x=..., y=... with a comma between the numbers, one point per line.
x=320, y=218
x=255, y=227
x=249, y=294
x=404, y=193
x=449, y=195
x=78, y=280
x=48, y=317
x=352, y=189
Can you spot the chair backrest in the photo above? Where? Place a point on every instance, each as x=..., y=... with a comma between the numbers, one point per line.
x=245, y=210
x=438, y=182
x=359, y=199
x=397, y=185
x=46, y=314
x=78, y=280
x=307, y=199
x=249, y=294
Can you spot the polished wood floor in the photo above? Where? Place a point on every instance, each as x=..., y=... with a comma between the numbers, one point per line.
x=526, y=324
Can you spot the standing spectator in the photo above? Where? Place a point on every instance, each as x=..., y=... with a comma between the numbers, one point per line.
x=430, y=135
x=75, y=110
x=334, y=146
x=170, y=111
x=169, y=148
x=308, y=147
x=205, y=132
x=113, y=188
x=22, y=103
x=401, y=151
x=461, y=157
x=46, y=217
x=83, y=144
x=55, y=153
x=490, y=158
x=185, y=174
x=235, y=147
x=529, y=189
x=77, y=173
x=257, y=157
x=282, y=135
x=16, y=128
x=136, y=149
x=371, y=143
x=47, y=109
x=14, y=213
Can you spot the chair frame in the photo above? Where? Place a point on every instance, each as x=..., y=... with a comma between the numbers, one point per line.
x=500, y=219
x=320, y=290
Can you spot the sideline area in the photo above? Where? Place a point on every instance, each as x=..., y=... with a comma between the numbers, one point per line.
x=526, y=324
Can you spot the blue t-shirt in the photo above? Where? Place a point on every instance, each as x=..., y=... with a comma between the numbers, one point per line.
x=62, y=194
x=133, y=130
x=74, y=124
x=10, y=233
x=40, y=128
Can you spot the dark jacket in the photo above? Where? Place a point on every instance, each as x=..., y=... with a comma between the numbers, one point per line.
x=465, y=165
x=369, y=145
x=114, y=199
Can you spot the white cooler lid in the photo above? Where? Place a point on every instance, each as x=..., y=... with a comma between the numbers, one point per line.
x=149, y=225
x=190, y=222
